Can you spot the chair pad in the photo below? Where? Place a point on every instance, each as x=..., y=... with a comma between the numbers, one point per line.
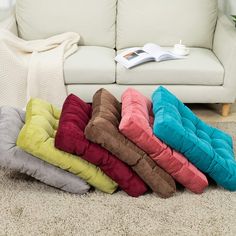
x=37, y=138
x=103, y=129
x=70, y=138
x=136, y=124
x=208, y=148
x=14, y=158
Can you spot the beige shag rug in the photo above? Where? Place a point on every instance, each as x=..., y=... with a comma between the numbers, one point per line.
x=28, y=207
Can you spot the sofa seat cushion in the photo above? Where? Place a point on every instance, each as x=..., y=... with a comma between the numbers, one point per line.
x=14, y=158
x=90, y=65
x=70, y=138
x=136, y=124
x=103, y=129
x=201, y=67
x=37, y=137
x=208, y=148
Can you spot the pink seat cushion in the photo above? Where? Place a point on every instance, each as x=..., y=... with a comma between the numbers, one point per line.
x=136, y=124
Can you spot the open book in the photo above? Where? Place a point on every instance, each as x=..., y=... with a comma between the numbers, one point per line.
x=149, y=52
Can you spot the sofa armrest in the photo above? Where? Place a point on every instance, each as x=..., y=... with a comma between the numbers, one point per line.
x=224, y=47
x=10, y=23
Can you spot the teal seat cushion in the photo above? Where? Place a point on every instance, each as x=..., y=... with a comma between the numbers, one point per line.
x=208, y=148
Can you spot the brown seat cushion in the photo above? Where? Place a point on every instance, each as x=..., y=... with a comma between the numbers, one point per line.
x=103, y=129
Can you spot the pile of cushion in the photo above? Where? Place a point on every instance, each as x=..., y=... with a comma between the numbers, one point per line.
x=137, y=146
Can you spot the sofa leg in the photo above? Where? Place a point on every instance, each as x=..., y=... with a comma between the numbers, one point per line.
x=225, y=109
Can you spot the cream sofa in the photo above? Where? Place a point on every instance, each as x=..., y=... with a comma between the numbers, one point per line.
x=107, y=27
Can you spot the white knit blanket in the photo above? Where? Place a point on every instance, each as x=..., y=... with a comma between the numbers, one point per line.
x=34, y=68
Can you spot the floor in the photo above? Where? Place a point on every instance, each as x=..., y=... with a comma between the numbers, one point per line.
x=31, y=208
x=211, y=113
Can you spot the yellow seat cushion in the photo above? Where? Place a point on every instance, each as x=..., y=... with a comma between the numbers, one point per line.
x=37, y=138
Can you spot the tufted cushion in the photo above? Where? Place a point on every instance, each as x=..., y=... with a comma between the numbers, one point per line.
x=70, y=138
x=136, y=124
x=103, y=129
x=12, y=157
x=208, y=148
x=37, y=138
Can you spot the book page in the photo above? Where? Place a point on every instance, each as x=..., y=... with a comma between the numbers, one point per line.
x=159, y=53
x=153, y=49
x=133, y=57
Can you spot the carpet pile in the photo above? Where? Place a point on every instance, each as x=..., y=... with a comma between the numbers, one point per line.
x=28, y=207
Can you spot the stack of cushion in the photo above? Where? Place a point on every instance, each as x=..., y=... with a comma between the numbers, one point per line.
x=103, y=129
x=208, y=148
x=70, y=138
x=14, y=158
x=136, y=124
x=37, y=137
x=138, y=145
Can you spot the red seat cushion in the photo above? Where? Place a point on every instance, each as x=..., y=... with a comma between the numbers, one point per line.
x=70, y=138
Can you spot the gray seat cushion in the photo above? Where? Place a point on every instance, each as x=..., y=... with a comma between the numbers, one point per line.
x=201, y=67
x=90, y=65
x=12, y=157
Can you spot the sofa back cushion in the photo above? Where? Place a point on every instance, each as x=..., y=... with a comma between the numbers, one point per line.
x=166, y=22
x=93, y=20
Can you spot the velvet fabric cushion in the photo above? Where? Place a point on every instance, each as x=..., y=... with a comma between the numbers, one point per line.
x=208, y=148
x=103, y=129
x=70, y=138
x=37, y=138
x=136, y=124
x=12, y=157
